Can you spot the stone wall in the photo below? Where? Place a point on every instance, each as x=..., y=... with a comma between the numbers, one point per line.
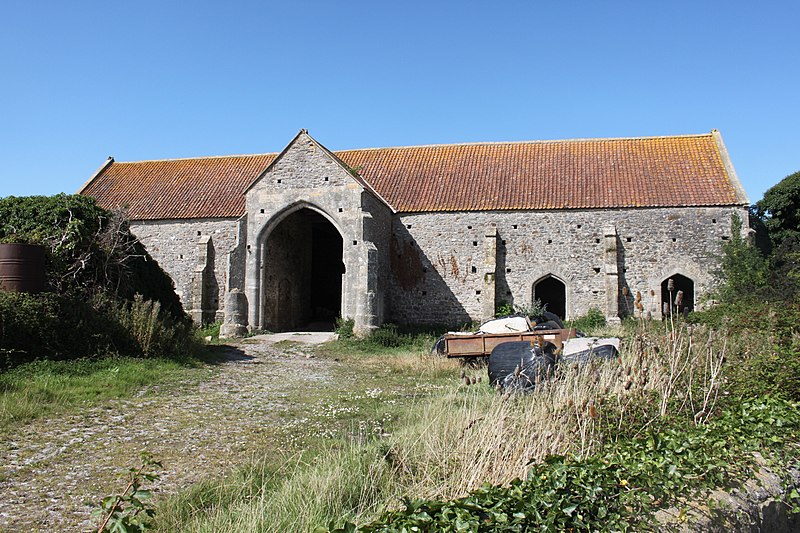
x=176, y=246
x=433, y=268
x=438, y=258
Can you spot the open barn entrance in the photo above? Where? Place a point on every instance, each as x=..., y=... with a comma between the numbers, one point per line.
x=552, y=292
x=302, y=273
x=670, y=301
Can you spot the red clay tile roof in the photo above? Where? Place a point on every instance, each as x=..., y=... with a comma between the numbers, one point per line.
x=574, y=174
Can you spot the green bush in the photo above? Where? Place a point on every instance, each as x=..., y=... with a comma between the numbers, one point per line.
x=387, y=336
x=593, y=319
x=89, y=250
x=619, y=488
x=344, y=327
x=57, y=326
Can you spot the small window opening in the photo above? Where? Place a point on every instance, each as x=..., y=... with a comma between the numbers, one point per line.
x=424, y=293
x=340, y=209
x=325, y=178
x=725, y=237
x=181, y=256
x=262, y=211
x=628, y=239
x=408, y=226
x=199, y=233
x=674, y=239
x=503, y=242
x=580, y=226
x=279, y=180
x=478, y=292
x=596, y=270
x=474, y=270
x=713, y=220
x=549, y=241
x=355, y=243
x=469, y=227
x=514, y=226
x=474, y=243
x=597, y=241
x=508, y=271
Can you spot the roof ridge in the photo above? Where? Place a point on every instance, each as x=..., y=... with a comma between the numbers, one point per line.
x=541, y=141
x=443, y=145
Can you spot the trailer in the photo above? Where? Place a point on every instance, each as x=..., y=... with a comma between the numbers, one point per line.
x=482, y=344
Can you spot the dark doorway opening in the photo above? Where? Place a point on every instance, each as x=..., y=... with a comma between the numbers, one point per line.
x=670, y=302
x=553, y=293
x=302, y=274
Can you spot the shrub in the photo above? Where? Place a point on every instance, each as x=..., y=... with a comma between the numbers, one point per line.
x=593, y=319
x=57, y=326
x=344, y=327
x=89, y=250
x=387, y=336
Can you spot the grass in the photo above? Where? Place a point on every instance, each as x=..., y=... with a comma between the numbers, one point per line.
x=406, y=426
x=44, y=388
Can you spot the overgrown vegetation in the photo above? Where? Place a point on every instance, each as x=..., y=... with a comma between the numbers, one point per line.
x=105, y=295
x=591, y=321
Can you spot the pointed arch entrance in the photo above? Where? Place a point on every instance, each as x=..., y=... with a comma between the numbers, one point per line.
x=552, y=292
x=668, y=301
x=301, y=274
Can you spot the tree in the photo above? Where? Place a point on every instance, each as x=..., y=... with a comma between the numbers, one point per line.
x=780, y=209
x=744, y=270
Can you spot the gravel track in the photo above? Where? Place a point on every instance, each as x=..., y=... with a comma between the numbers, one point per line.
x=54, y=471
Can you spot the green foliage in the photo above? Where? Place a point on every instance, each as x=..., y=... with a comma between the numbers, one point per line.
x=780, y=209
x=89, y=249
x=108, y=296
x=344, y=327
x=743, y=270
x=617, y=489
x=127, y=512
x=504, y=309
x=387, y=336
x=593, y=319
x=58, y=326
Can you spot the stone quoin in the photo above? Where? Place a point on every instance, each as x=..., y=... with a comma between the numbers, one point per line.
x=439, y=234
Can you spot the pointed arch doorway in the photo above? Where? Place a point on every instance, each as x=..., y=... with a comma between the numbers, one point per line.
x=302, y=269
x=669, y=301
x=552, y=292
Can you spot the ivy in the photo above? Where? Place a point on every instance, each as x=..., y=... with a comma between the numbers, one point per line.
x=619, y=488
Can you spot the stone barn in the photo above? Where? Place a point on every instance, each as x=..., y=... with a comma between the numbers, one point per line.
x=439, y=234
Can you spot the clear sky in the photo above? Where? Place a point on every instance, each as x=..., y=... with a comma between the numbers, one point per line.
x=165, y=79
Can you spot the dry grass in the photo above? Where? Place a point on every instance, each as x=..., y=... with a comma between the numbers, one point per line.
x=457, y=437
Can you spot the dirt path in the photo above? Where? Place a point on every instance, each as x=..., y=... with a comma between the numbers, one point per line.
x=51, y=468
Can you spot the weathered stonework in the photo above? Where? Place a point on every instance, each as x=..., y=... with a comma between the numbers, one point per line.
x=591, y=251
x=174, y=244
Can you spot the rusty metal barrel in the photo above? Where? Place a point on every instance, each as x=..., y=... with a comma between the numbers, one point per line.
x=22, y=268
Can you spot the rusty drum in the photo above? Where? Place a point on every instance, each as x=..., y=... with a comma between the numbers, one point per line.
x=22, y=268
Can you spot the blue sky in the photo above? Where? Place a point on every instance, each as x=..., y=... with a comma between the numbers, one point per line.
x=154, y=80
